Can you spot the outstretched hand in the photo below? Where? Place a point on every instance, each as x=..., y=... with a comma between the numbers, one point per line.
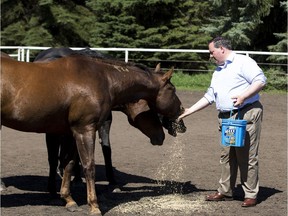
x=184, y=114
x=199, y=105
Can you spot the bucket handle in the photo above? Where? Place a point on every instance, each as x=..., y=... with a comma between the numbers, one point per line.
x=231, y=113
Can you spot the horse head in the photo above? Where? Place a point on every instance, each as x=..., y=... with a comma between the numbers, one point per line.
x=147, y=121
x=167, y=102
x=171, y=124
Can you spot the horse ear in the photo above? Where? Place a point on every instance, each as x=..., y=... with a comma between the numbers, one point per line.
x=167, y=76
x=157, y=69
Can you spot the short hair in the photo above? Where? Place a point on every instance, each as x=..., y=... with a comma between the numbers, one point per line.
x=221, y=41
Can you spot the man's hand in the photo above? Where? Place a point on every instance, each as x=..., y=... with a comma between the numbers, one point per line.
x=237, y=101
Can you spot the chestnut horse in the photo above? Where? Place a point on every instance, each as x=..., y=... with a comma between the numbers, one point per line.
x=138, y=113
x=76, y=94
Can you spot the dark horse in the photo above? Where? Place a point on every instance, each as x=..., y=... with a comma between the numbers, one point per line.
x=76, y=94
x=138, y=113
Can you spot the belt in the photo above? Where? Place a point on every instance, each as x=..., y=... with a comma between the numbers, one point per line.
x=233, y=112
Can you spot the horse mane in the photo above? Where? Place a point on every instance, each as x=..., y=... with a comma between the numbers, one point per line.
x=92, y=53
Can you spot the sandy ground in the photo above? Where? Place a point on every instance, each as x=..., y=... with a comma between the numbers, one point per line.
x=169, y=180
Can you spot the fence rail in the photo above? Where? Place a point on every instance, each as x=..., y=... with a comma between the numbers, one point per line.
x=22, y=53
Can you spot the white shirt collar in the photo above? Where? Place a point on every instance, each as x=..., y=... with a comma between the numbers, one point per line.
x=229, y=60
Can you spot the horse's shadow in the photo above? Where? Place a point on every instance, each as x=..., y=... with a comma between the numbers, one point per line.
x=31, y=190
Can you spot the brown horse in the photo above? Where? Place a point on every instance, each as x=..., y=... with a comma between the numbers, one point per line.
x=5, y=55
x=138, y=113
x=75, y=94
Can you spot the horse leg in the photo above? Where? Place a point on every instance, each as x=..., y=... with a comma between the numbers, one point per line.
x=104, y=132
x=86, y=147
x=77, y=171
x=71, y=205
x=65, y=147
x=68, y=158
x=2, y=185
x=52, y=144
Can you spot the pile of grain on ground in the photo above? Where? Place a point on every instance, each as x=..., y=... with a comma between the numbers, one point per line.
x=174, y=204
x=168, y=175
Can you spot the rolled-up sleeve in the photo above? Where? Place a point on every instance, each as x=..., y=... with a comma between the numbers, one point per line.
x=209, y=95
x=260, y=78
x=252, y=72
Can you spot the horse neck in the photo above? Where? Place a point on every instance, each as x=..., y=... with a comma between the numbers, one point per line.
x=133, y=86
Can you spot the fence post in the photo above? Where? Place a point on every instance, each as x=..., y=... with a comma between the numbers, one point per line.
x=126, y=55
x=28, y=55
x=18, y=54
x=22, y=54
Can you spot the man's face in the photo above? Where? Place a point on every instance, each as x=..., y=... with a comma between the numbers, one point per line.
x=217, y=54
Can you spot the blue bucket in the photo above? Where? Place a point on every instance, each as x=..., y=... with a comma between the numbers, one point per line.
x=233, y=132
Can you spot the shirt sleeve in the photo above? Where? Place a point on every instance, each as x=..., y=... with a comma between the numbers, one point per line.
x=209, y=95
x=252, y=72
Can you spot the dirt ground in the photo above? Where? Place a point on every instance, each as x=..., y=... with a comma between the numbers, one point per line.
x=169, y=180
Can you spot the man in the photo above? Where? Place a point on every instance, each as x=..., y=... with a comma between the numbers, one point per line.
x=235, y=85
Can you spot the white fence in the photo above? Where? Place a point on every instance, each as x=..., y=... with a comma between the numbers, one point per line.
x=22, y=53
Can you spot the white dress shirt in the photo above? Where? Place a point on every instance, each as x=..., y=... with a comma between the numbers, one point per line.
x=232, y=79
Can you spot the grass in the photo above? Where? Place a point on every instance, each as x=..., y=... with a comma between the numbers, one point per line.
x=201, y=82
x=184, y=81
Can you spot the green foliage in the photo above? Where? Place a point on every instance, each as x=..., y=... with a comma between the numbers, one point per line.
x=276, y=80
x=191, y=82
x=174, y=24
x=281, y=46
x=236, y=20
x=45, y=2
x=177, y=24
x=44, y=23
x=34, y=34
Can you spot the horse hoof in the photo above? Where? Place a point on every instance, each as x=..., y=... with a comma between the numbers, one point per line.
x=116, y=190
x=95, y=212
x=2, y=187
x=73, y=208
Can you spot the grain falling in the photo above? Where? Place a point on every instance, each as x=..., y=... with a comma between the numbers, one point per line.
x=170, y=171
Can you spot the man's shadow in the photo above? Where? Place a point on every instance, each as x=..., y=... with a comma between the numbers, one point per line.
x=264, y=193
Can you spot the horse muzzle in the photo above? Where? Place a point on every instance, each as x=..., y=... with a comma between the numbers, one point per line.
x=157, y=140
x=173, y=126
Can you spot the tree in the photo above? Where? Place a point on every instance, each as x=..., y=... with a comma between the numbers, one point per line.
x=281, y=45
x=44, y=23
x=150, y=24
x=237, y=20
x=175, y=24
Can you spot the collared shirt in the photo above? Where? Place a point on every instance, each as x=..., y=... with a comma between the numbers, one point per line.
x=233, y=78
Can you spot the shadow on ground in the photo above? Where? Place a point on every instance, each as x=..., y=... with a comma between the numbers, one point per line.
x=31, y=190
